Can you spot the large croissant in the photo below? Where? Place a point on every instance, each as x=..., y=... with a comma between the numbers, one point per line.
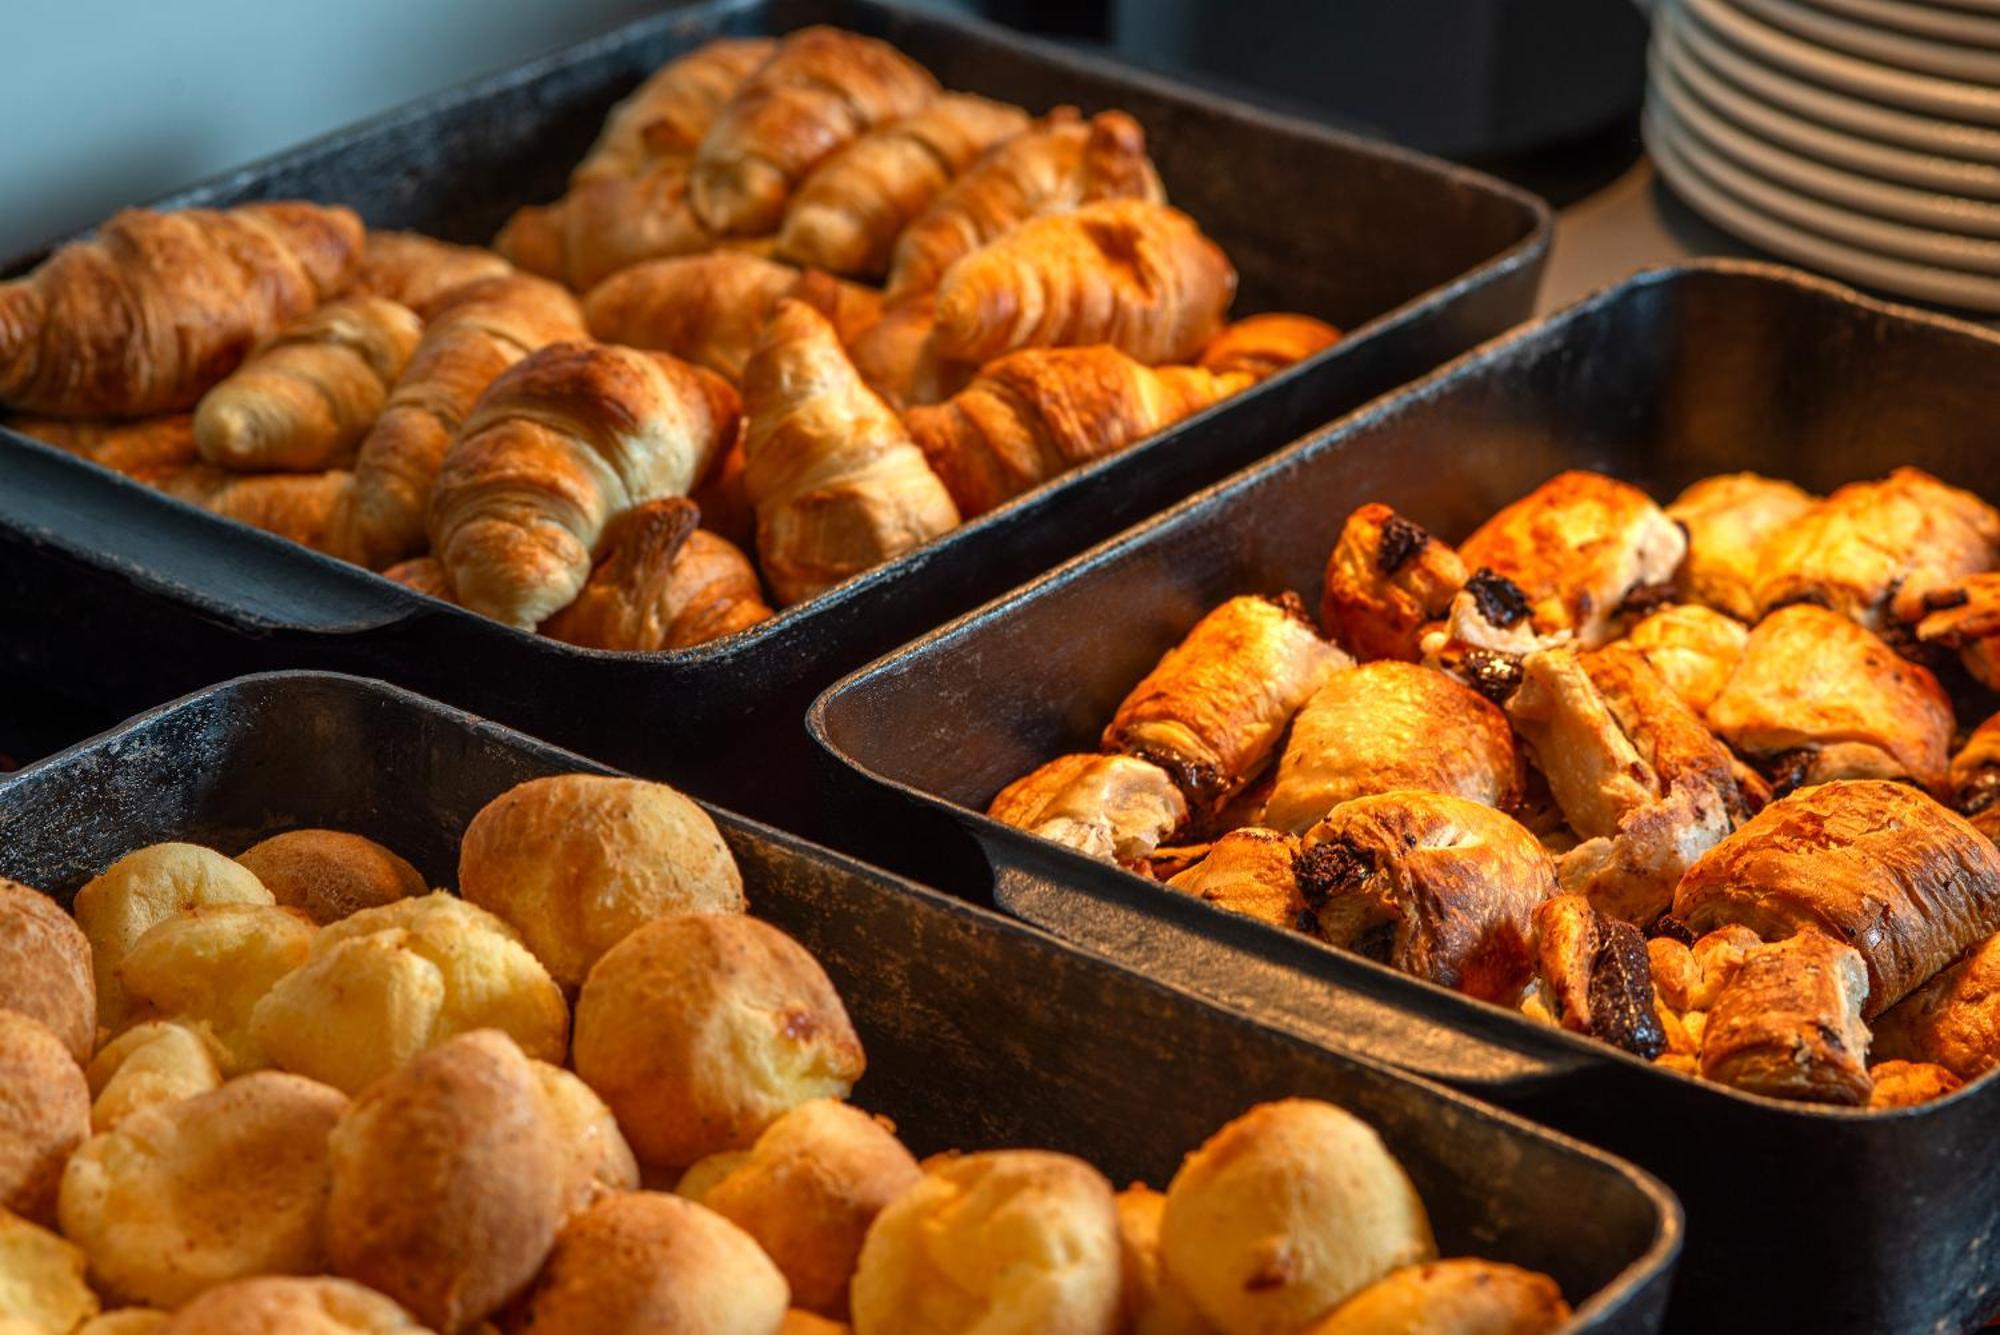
x=822, y=88
x=142, y=449
x=479, y=332
x=661, y=583
x=304, y=399
x=847, y=215
x=1040, y=412
x=298, y=506
x=604, y=224
x=155, y=309
x=837, y=484
x=416, y=271
x=667, y=115
x=1136, y=275
x=559, y=446
x=708, y=309
x=1057, y=164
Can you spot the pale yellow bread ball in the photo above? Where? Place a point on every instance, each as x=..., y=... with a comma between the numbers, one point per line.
x=158, y=1061
x=45, y=970
x=330, y=874
x=1154, y=1304
x=208, y=967
x=44, y=1114
x=1458, y=1297
x=290, y=1305
x=600, y=1162
x=41, y=1277
x=125, y=1321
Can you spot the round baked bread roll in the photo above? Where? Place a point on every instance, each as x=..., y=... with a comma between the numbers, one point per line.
x=1005, y=1240
x=41, y=1278
x=289, y=1306
x=125, y=1321
x=45, y=967
x=646, y=1261
x=44, y=1114
x=700, y=1029
x=330, y=874
x=1287, y=1212
x=155, y=1062
x=386, y=983
x=139, y=890
x=1154, y=1304
x=600, y=1162
x=180, y=1197
x=449, y=1181
x=799, y=1322
x=209, y=966
x=1458, y=1297
x=576, y=861
x=807, y=1192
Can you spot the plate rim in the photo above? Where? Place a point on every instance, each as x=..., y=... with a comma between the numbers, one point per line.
x=1843, y=35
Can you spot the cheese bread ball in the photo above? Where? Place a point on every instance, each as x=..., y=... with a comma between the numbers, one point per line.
x=600, y=1162
x=125, y=1321
x=180, y=1197
x=450, y=1179
x=139, y=890
x=330, y=874
x=41, y=1277
x=577, y=861
x=807, y=1192
x=155, y=1062
x=45, y=967
x=1459, y=1297
x=283, y=1305
x=386, y=983
x=700, y=1029
x=1285, y=1213
x=1005, y=1240
x=1154, y=1304
x=209, y=966
x=44, y=1114
x=646, y=1261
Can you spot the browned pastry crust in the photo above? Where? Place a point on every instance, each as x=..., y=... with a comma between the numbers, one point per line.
x=1135, y=274
x=1595, y=975
x=1900, y=1084
x=1034, y=414
x=157, y=307
x=1385, y=726
x=142, y=450
x=1250, y=871
x=1694, y=649
x=1386, y=579
x=45, y=967
x=1432, y=884
x=1112, y=808
x=820, y=89
x=1973, y=781
x=667, y=115
x=1813, y=681
x=1729, y=518
x=425, y=574
x=606, y=224
x=1952, y=1020
x=299, y=506
x=1213, y=710
x=1260, y=346
x=282, y=1304
x=725, y=502
x=898, y=356
x=661, y=583
x=1788, y=1025
x=44, y=1115
x=1462, y=1296
x=1878, y=866
x=1580, y=546
x=1855, y=549
x=1963, y=615
x=417, y=271
x=330, y=874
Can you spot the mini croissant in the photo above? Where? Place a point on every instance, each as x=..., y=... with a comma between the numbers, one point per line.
x=1136, y=275
x=1040, y=412
x=1260, y=346
x=667, y=115
x=836, y=482
x=821, y=89
x=416, y=271
x=151, y=312
x=661, y=583
x=559, y=446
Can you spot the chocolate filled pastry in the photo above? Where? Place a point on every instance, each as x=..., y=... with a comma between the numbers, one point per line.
x=1386, y=579
x=1878, y=866
x=1953, y=1020
x=1962, y=615
x=1694, y=649
x=1112, y=808
x=1211, y=713
x=1728, y=519
x=1595, y=975
x=1974, y=778
x=1251, y=872
x=1431, y=884
x=1788, y=1025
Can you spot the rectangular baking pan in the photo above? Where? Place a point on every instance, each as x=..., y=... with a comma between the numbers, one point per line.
x=979, y=1032
x=130, y=595
x=1800, y=1218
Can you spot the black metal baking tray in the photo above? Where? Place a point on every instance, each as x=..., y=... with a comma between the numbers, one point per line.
x=980, y=1032
x=122, y=591
x=1800, y=1218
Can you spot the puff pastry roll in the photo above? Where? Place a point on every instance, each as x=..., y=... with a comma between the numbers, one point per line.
x=140, y=449
x=1694, y=648
x=847, y=215
x=1112, y=808
x=898, y=357
x=1459, y=1296
x=1878, y=866
x=606, y=224
x=299, y=506
x=1962, y=615
x=1134, y=274
x=422, y=573
x=1387, y=579
x=1900, y=1084
x=1953, y=1020
x=1973, y=782
x=1387, y=726
x=1819, y=697
x=149, y=313
x=820, y=89
x=725, y=503
x=1250, y=872
x=667, y=115
x=661, y=583
x=1432, y=884
x=1729, y=518
x=1855, y=549
x=1055, y=165
x=1789, y=1026
x=416, y=271
x=1213, y=710
x=1260, y=346
x=1595, y=975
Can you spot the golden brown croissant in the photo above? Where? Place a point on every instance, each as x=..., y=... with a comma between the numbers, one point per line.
x=1728, y=519
x=1901, y=1084
x=725, y=503
x=1137, y=275
x=820, y=89
x=1594, y=974
x=1260, y=346
x=1055, y=165
x=422, y=573
x=1249, y=871
x=846, y=216
x=1694, y=649
x=299, y=506
x=561, y=444
x=1386, y=579
x=157, y=307
x=667, y=115
x=1112, y=808
x=1963, y=615
x=1877, y=865
x=1460, y=1296
x=1973, y=780
x=1788, y=1025
x=898, y=357
x=1952, y=1020
x=475, y=334
x=414, y=270
x=142, y=449
x=1040, y=412
x=606, y=224
x=709, y=309
x=303, y=401
x=661, y=583
x=1213, y=710
x=838, y=486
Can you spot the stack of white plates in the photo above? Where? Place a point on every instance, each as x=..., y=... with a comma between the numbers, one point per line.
x=1859, y=137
